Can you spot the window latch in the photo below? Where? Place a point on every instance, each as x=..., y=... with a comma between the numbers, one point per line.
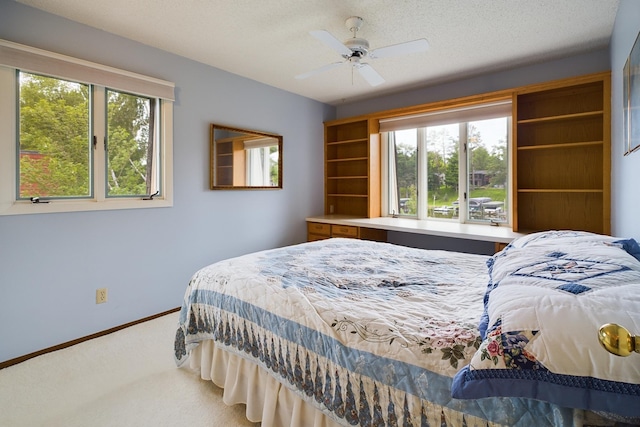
x=38, y=200
x=151, y=196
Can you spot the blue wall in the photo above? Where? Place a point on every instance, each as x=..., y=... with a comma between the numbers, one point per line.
x=625, y=175
x=52, y=264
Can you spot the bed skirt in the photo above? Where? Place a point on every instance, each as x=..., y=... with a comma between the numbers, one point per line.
x=273, y=405
x=270, y=402
x=242, y=381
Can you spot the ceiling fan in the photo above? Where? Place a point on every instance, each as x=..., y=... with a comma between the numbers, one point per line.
x=355, y=49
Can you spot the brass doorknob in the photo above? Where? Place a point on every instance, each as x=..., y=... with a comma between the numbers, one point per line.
x=618, y=340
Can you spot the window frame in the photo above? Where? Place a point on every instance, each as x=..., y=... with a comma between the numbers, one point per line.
x=122, y=81
x=463, y=163
x=157, y=145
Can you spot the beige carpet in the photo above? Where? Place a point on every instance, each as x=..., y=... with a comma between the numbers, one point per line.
x=127, y=378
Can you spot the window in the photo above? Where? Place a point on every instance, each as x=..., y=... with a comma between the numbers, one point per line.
x=432, y=162
x=132, y=152
x=261, y=162
x=80, y=136
x=54, y=154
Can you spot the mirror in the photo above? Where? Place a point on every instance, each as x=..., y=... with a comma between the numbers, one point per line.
x=244, y=159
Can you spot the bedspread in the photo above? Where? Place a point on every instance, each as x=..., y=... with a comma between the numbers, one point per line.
x=549, y=294
x=369, y=333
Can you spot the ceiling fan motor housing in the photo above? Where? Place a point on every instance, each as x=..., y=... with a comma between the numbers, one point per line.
x=359, y=47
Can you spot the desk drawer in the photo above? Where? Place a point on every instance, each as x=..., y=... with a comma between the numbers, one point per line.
x=319, y=229
x=344, y=231
x=314, y=237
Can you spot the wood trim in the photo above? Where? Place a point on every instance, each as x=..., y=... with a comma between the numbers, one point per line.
x=559, y=83
x=498, y=246
x=514, y=164
x=26, y=357
x=606, y=156
x=499, y=95
x=375, y=169
x=465, y=101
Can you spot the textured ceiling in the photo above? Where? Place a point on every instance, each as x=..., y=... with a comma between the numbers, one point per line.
x=269, y=40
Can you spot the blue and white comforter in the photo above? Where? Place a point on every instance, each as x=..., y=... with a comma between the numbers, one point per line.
x=369, y=333
x=548, y=296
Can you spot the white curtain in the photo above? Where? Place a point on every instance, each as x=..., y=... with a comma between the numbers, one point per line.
x=258, y=171
x=394, y=202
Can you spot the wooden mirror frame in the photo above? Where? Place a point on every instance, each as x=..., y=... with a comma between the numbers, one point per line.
x=227, y=161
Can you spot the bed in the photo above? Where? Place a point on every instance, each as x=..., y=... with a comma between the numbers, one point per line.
x=353, y=332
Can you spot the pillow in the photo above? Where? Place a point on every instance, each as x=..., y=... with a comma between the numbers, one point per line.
x=548, y=295
x=631, y=246
x=537, y=245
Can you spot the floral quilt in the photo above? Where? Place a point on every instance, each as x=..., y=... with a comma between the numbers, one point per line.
x=369, y=333
x=548, y=295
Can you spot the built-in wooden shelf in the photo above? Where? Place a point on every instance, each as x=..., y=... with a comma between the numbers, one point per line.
x=348, y=141
x=561, y=156
x=561, y=117
x=352, y=168
x=559, y=190
x=561, y=164
x=347, y=159
x=562, y=145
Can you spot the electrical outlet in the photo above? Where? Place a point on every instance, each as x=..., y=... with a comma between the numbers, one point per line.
x=101, y=295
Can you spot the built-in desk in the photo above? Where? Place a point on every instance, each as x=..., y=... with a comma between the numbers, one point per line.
x=326, y=226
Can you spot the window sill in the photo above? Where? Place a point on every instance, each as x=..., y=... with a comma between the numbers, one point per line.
x=58, y=206
x=487, y=233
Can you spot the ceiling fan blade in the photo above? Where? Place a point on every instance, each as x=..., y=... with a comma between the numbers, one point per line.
x=335, y=44
x=318, y=70
x=370, y=75
x=414, y=46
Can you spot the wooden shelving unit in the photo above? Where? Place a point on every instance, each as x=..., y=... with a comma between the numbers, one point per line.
x=562, y=160
x=352, y=168
x=230, y=162
x=561, y=164
x=224, y=162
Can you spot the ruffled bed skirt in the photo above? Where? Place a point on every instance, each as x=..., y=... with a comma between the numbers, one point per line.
x=267, y=400
x=270, y=402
